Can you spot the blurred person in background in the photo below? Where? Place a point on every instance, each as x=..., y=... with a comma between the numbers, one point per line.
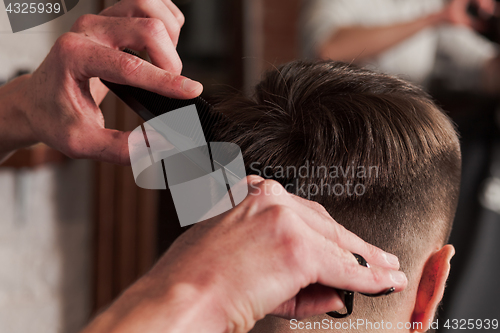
x=436, y=44
x=407, y=38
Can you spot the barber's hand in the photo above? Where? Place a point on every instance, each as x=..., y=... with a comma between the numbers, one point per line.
x=456, y=12
x=64, y=98
x=275, y=253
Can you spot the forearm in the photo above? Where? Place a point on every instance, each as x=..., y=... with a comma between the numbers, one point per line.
x=360, y=43
x=148, y=307
x=15, y=131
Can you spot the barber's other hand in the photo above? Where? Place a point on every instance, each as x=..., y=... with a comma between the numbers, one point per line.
x=275, y=253
x=63, y=94
x=456, y=12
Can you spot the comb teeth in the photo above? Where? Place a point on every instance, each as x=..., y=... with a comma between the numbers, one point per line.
x=149, y=105
x=129, y=51
x=156, y=105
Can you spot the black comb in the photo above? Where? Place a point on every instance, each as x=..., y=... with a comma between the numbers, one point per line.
x=149, y=105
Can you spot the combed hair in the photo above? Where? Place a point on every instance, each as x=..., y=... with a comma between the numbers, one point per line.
x=333, y=114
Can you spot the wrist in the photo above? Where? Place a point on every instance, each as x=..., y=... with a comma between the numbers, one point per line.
x=26, y=104
x=149, y=307
x=192, y=309
x=209, y=307
x=14, y=104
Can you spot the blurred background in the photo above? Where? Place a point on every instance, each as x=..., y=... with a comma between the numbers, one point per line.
x=74, y=234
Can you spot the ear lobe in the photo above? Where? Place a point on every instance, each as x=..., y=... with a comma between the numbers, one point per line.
x=431, y=288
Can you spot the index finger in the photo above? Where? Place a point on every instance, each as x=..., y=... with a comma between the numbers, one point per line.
x=119, y=67
x=175, y=11
x=320, y=220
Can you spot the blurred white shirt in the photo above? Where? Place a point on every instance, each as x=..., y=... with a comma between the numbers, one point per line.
x=454, y=54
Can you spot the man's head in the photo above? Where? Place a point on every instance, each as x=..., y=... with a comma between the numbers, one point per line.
x=375, y=151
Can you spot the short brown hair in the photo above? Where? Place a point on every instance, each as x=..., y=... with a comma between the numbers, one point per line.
x=334, y=114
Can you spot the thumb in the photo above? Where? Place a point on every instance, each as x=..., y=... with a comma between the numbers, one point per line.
x=105, y=145
x=313, y=300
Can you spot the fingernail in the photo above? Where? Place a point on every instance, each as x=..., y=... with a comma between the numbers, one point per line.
x=389, y=291
x=398, y=277
x=391, y=259
x=383, y=293
x=190, y=85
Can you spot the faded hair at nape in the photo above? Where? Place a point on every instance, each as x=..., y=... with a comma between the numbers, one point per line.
x=338, y=117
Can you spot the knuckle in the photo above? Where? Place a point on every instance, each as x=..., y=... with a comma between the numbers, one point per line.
x=144, y=4
x=372, y=251
x=271, y=187
x=176, y=65
x=296, y=252
x=319, y=207
x=168, y=79
x=73, y=148
x=129, y=64
x=292, y=245
x=281, y=215
x=295, y=249
x=66, y=44
x=175, y=28
x=284, y=231
x=154, y=27
x=350, y=268
x=336, y=235
x=282, y=225
x=265, y=191
x=180, y=18
x=347, y=261
x=253, y=186
x=254, y=179
x=378, y=276
x=83, y=22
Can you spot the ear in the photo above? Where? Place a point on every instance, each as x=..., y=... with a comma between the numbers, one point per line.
x=431, y=287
